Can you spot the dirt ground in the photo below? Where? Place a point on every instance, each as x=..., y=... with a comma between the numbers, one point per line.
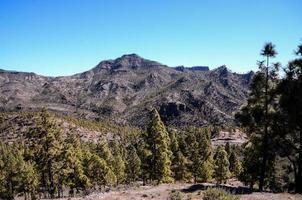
x=162, y=192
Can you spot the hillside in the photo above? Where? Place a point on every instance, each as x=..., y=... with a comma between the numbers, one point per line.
x=16, y=126
x=125, y=89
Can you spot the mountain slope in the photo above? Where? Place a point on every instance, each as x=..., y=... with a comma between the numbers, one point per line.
x=125, y=89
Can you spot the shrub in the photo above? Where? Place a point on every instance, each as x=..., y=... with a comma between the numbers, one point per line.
x=218, y=194
x=176, y=195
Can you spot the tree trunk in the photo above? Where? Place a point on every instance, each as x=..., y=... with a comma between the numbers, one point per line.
x=298, y=180
x=50, y=176
x=265, y=138
x=251, y=185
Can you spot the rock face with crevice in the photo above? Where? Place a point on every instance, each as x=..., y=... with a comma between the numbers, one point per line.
x=125, y=89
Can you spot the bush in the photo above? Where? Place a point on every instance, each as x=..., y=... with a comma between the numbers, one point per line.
x=218, y=194
x=176, y=195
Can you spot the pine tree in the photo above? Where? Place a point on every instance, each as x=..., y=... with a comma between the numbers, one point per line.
x=104, y=152
x=118, y=166
x=72, y=172
x=16, y=175
x=159, y=145
x=257, y=117
x=46, y=144
x=97, y=170
x=228, y=148
x=206, y=171
x=133, y=165
x=195, y=158
x=267, y=51
x=222, y=164
x=235, y=163
x=200, y=154
x=29, y=180
x=145, y=156
x=174, y=143
x=183, y=146
x=291, y=112
x=180, y=167
x=251, y=164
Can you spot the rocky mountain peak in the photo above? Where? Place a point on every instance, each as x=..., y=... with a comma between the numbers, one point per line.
x=222, y=69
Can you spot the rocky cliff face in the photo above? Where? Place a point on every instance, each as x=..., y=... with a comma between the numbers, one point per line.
x=125, y=89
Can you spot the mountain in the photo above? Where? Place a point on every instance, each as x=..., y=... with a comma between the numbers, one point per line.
x=125, y=89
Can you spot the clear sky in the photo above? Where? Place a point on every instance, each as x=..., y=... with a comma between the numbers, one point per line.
x=63, y=37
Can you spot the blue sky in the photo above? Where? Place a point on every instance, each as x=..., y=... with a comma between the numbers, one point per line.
x=63, y=37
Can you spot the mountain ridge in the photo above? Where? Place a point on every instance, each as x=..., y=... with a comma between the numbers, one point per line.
x=125, y=89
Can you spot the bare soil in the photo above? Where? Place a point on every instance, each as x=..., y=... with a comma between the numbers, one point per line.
x=162, y=192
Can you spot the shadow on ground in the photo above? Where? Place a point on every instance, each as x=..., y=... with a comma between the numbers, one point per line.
x=230, y=189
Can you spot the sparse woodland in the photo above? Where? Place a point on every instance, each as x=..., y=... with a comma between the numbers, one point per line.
x=49, y=162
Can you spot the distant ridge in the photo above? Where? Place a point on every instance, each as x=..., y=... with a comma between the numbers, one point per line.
x=194, y=68
x=125, y=89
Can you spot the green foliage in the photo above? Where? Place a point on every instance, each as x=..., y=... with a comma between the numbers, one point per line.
x=228, y=148
x=158, y=143
x=174, y=143
x=145, y=156
x=118, y=166
x=206, y=171
x=222, y=164
x=16, y=175
x=30, y=179
x=72, y=170
x=176, y=195
x=235, y=163
x=180, y=168
x=104, y=152
x=250, y=165
x=97, y=170
x=258, y=116
x=133, y=165
x=45, y=147
x=290, y=115
x=218, y=194
x=201, y=155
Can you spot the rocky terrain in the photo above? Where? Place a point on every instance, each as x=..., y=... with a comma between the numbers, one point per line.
x=124, y=90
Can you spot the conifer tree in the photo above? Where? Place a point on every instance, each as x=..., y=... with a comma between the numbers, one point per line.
x=174, y=143
x=145, y=156
x=201, y=154
x=133, y=165
x=29, y=180
x=250, y=165
x=118, y=166
x=206, y=170
x=97, y=170
x=228, y=148
x=257, y=117
x=195, y=158
x=16, y=175
x=268, y=51
x=291, y=111
x=72, y=171
x=104, y=152
x=235, y=163
x=183, y=146
x=46, y=144
x=180, y=167
x=159, y=145
x=222, y=165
